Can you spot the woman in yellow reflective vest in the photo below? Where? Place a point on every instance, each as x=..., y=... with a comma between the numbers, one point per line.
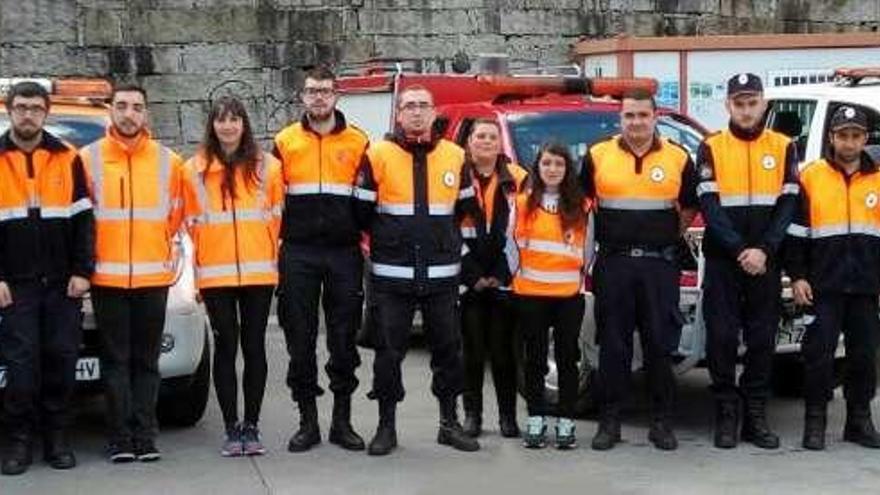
x=234, y=224
x=548, y=250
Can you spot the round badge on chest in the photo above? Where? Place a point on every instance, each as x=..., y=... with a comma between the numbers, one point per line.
x=768, y=162
x=657, y=174
x=871, y=200
x=449, y=178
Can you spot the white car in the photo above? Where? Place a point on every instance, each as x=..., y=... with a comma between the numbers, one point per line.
x=804, y=111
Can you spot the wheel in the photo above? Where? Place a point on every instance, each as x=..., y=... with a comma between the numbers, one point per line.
x=182, y=400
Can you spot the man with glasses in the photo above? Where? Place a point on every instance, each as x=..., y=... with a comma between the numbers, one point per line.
x=319, y=255
x=410, y=190
x=46, y=259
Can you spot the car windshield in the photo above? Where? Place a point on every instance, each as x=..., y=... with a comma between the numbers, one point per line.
x=578, y=130
x=78, y=130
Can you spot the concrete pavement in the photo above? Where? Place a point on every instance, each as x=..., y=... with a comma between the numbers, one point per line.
x=420, y=466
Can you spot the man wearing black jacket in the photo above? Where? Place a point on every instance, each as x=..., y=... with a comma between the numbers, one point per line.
x=46, y=259
x=410, y=190
x=748, y=194
x=833, y=258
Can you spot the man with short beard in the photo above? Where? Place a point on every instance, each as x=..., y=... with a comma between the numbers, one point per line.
x=46, y=259
x=137, y=186
x=748, y=194
x=833, y=257
x=644, y=187
x=320, y=254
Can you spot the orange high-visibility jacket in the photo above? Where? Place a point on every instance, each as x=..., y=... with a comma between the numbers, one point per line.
x=138, y=196
x=544, y=260
x=834, y=240
x=46, y=221
x=319, y=173
x=235, y=239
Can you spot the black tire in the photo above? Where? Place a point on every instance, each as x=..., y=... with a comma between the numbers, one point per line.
x=182, y=400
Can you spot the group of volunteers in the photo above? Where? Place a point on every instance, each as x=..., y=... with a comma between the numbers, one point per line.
x=492, y=254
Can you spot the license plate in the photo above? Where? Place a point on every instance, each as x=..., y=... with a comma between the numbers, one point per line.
x=88, y=369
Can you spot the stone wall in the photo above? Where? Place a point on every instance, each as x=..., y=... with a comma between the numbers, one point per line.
x=186, y=51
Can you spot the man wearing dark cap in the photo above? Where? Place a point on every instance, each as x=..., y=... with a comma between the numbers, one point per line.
x=833, y=257
x=748, y=193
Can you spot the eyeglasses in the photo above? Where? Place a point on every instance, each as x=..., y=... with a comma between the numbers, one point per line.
x=412, y=106
x=35, y=110
x=322, y=92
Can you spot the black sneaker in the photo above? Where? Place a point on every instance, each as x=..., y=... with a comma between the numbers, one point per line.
x=121, y=452
x=146, y=451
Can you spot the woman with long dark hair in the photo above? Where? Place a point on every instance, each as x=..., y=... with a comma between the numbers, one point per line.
x=548, y=249
x=486, y=313
x=235, y=226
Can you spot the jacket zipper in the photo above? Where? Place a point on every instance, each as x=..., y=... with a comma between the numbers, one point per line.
x=320, y=163
x=130, y=225
x=235, y=237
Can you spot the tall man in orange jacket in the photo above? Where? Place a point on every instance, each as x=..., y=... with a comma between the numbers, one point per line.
x=410, y=188
x=748, y=194
x=46, y=258
x=644, y=187
x=138, y=186
x=320, y=258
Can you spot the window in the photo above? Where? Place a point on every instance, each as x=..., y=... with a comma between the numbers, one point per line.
x=577, y=130
x=798, y=76
x=681, y=133
x=792, y=118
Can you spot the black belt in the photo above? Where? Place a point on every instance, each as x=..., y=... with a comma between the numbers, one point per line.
x=668, y=253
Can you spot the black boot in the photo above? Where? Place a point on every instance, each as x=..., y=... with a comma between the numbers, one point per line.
x=755, y=429
x=473, y=413
x=57, y=452
x=18, y=456
x=508, y=425
x=385, y=439
x=859, y=427
x=726, y=423
x=450, y=432
x=815, y=420
x=341, y=432
x=309, y=433
x=473, y=425
x=660, y=434
x=608, y=433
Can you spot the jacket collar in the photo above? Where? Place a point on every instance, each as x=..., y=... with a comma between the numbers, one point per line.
x=117, y=140
x=48, y=142
x=337, y=128
x=866, y=165
x=745, y=134
x=401, y=140
x=624, y=145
